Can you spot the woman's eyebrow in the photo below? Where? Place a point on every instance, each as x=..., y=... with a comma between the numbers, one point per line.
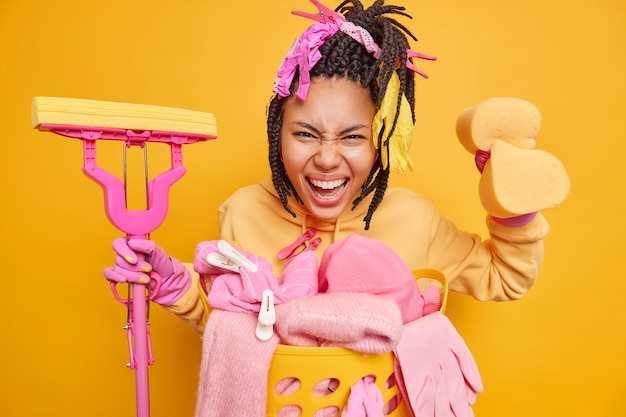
x=309, y=127
x=352, y=128
x=342, y=132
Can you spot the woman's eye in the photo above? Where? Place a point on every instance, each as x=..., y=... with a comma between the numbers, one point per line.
x=304, y=135
x=352, y=139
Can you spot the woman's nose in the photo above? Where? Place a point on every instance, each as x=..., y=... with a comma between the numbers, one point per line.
x=328, y=155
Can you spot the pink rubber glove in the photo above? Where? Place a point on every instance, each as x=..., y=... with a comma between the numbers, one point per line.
x=439, y=376
x=481, y=159
x=175, y=278
x=365, y=399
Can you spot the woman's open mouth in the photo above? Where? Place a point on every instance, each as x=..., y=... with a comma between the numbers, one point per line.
x=327, y=190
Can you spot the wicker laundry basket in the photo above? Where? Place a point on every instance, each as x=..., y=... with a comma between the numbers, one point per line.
x=309, y=368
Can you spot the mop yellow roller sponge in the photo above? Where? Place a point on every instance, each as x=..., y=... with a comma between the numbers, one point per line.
x=516, y=179
x=109, y=114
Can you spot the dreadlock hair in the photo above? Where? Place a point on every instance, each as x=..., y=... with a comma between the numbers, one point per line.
x=343, y=57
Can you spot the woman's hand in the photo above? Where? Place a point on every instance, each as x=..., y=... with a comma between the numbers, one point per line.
x=138, y=260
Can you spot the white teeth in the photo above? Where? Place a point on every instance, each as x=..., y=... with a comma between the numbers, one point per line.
x=327, y=185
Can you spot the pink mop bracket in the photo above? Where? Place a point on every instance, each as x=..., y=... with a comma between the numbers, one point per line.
x=137, y=224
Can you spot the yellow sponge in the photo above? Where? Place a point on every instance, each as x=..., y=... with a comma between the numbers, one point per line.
x=516, y=179
x=510, y=119
x=109, y=114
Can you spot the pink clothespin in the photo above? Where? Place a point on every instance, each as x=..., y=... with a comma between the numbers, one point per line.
x=303, y=239
x=413, y=54
x=324, y=13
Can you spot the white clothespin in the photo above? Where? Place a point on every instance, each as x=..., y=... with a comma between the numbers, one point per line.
x=230, y=258
x=235, y=256
x=267, y=317
x=219, y=260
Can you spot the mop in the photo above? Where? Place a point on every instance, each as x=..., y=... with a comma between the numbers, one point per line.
x=133, y=124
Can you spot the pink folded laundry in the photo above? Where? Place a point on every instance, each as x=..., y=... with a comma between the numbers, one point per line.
x=360, y=322
x=362, y=264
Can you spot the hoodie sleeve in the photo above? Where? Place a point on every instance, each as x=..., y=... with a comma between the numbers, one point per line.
x=502, y=267
x=192, y=307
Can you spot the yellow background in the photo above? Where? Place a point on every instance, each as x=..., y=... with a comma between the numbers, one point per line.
x=559, y=351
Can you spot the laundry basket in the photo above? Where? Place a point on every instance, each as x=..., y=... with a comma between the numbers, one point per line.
x=321, y=377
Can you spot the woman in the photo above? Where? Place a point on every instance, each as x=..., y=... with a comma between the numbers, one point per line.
x=341, y=119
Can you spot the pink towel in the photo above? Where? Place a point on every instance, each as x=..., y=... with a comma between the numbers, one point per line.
x=362, y=264
x=435, y=369
x=233, y=373
x=361, y=322
x=243, y=291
